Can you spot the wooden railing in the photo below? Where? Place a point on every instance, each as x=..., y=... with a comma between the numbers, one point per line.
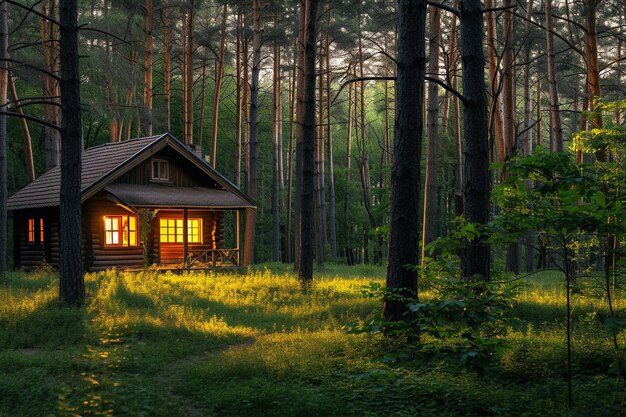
x=212, y=257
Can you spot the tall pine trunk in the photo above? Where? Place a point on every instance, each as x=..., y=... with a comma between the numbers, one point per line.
x=332, y=217
x=167, y=63
x=253, y=152
x=72, y=282
x=147, y=68
x=429, y=225
x=219, y=75
x=28, y=147
x=556, y=134
x=277, y=138
x=50, y=37
x=305, y=271
x=4, y=78
x=405, y=174
x=475, y=254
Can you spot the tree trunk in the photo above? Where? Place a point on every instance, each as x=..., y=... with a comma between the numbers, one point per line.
x=238, y=103
x=429, y=225
x=188, y=27
x=593, y=70
x=527, y=140
x=556, y=134
x=253, y=152
x=167, y=63
x=508, y=115
x=405, y=174
x=147, y=68
x=475, y=254
x=219, y=74
x=454, y=52
x=304, y=7
x=28, y=147
x=72, y=282
x=332, y=217
x=305, y=272
x=49, y=36
x=319, y=189
x=276, y=134
x=292, y=100
x=496, y=121
x=4, y=192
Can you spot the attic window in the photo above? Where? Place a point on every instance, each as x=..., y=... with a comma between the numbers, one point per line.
x=160, y=170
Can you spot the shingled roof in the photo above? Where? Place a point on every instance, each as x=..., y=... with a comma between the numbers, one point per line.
x=102, y=164
x=166, y=196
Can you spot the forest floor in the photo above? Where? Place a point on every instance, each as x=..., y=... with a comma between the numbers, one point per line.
x=255, y=344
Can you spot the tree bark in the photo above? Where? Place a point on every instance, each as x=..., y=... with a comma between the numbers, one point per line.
x=305, y=271
x=332, y=217
x=429, y=224
x=238, y=103
x=4, y=192
x=319, y=189
x=219, y=75
x=475, y=254
x=276, y=134
x=496, y=121
x=253, y=152
x=593, y=70
x=49, y=36
x=302, y=39
x=556, y=133
x=147, y=67
x=405, y=174
x=72, y=283
x=28, y=147
x=292, y=100
x=167, y=63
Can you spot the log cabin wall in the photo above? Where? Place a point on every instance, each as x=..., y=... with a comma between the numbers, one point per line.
x=100, y=256
x=30, y=255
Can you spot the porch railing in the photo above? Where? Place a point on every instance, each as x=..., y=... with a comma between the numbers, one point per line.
x=212, y=257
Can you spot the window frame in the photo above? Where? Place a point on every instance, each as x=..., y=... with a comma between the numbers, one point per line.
x=159, y=175
x=122, y=232
x=176, y=233
x=35, y=230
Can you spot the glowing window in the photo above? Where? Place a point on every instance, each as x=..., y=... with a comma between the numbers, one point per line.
x=120, y=230
x=171, y=230
x=160, y=170
x=35, y=230
x=31, y=230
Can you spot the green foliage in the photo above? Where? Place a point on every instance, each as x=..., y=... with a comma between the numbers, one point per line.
x=254, y=344
x=458, y=316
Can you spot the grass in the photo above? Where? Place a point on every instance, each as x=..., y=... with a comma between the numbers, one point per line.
x=160, y=344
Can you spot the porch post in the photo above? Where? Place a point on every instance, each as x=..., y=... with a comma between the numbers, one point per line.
x=238, y=235
x=185, y=240
x=248, y=253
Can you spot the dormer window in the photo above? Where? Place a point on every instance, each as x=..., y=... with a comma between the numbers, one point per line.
x=160, y=170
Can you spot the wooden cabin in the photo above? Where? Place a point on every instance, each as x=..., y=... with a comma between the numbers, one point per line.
x=137, y=197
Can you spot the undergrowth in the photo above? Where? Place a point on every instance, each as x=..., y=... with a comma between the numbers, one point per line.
x=253, y=344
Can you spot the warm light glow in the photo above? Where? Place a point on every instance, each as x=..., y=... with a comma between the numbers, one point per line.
x=120, y=230
x=31, y=230
x=41, y=234
x=171, y=230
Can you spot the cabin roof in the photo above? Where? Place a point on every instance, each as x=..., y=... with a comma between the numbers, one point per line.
x=102, y=164
x=162, y=196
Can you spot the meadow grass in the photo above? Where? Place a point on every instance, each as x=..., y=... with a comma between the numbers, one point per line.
x=256, y=344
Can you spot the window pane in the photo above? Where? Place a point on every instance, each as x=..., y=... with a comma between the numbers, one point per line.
x=155, y=169
x=31, y=230
x=41, y=229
